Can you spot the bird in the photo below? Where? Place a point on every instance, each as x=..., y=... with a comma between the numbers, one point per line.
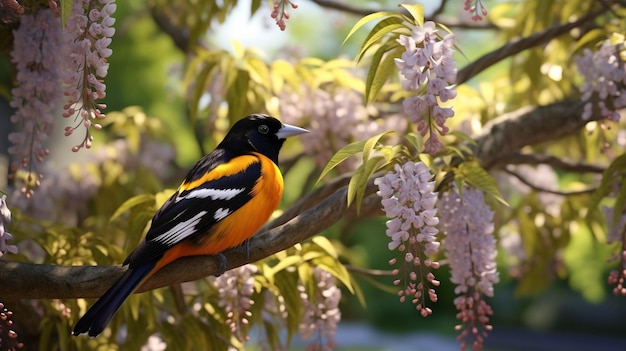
x=223, y=200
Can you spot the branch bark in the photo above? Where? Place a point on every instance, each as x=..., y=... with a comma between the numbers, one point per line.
x=38, y=281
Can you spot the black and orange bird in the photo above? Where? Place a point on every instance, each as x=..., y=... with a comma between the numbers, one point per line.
x=224, y=199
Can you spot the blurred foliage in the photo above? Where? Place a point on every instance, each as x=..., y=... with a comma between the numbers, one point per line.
x=189, y=99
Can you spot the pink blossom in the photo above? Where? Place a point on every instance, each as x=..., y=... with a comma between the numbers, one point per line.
x=235, y=288
x=87, y=38
x=408, y=199
x=321, y=311
x=36, y=94
x=280, y=14
x=428, y=70
x=605, y=81
x=476, y=8
x=470, y=246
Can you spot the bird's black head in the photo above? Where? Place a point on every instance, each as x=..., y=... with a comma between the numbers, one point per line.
x=261, y=133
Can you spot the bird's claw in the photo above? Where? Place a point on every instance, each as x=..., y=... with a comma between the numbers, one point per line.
x=223, y=264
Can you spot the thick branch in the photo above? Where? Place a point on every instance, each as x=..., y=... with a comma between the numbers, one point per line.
x=37, y=281
x=507, y=134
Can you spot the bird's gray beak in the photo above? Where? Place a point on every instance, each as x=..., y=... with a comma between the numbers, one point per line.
x=288, y=130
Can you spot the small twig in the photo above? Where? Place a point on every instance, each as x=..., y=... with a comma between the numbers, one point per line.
x=516, y=46
x=545, y=190
x=359, y=11
x=555, y=162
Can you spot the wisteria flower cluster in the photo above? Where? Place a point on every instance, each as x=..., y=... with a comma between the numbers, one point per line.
x=8, y=336
x=430, y=72
x=476, y=8
x=604, y=72
x=408, y=199
x=36, y=95
x=46, y=58
x=321, y=312
x=338, y=117
x=5, y=220
x=235, y=288
x=280, y=14
x=470, y=246
x=87, y=37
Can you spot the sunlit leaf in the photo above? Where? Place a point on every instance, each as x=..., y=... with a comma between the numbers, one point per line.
x=616, y=168
x=133, y=202
x=358, y=182
x=416, y=11
x=371, y=143
x=379, y=31
x=382, y=67
x=326, y=245
x=476, y=176
x=66, y=10
x=286, y=262
x=341, y=155
x=367, y=19
x=339, y=271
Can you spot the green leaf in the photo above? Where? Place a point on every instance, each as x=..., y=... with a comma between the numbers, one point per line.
x=358, y=182
x=286, y=262
x=339, y=271
x=236, y=96
x=476, y=176
x=341, y=155
x=378, y=32
x=325, y=245
x=132, y=202
x=381, y=68
x=616, y=168
x=66, y=10
x=371, y=143
x=367, y=19
x=591, y=37
x=416, y=11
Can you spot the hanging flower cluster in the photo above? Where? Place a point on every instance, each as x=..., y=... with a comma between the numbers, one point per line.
x=476, y=8
x=408, y=199
x=339, y=117
x=36, y=94
x=321, y=312
x=470, y=246
x=8, y=336
x=87, y=37
x=604, y=72
x=430, y=72
x=235, y=288
x=48, y=57
x=280, y=14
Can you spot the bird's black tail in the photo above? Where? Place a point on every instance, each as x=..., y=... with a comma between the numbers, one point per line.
x=101, y=313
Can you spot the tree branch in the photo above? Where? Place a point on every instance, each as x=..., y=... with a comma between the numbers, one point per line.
x=516, y=46
x=546, y=190
x=363, y=11
x=506, y=135
x=38, y=281
x=554, y=162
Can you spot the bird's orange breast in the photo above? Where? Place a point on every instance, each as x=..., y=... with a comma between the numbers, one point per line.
x=240, y=225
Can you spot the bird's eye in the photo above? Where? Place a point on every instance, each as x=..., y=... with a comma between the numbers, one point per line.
x=263, y=129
